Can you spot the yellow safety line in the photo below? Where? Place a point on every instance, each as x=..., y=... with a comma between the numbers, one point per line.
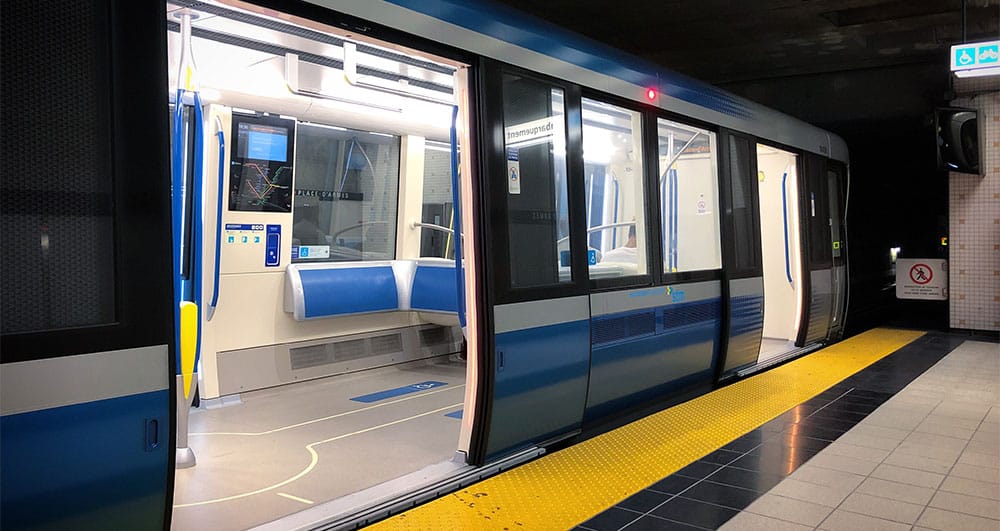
x=565, y=488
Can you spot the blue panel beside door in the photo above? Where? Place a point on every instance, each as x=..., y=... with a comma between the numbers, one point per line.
x=541, y=385
x=86, y=466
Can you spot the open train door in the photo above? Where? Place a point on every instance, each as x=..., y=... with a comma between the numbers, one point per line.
x=824, y=279
x=85, y=298
x=743, y=275
x=536, y=269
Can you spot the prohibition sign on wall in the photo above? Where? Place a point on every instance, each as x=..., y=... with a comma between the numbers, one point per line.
x=921, y=274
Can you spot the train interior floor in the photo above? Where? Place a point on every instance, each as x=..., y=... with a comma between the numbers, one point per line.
x=890, y=429
x=275, y=452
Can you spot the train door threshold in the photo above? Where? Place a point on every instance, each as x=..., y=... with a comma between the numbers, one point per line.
x=392, y=497
x=777, y=360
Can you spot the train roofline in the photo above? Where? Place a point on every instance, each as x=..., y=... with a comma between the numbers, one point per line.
x=504, y=34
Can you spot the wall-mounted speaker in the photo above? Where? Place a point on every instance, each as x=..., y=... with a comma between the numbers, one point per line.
x=957, y=139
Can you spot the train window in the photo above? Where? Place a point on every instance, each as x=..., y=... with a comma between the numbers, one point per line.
x=346, y=184
x=534, y=119
x=746, y=250
x=689, y=198
x=436, y=238
x=612, y=156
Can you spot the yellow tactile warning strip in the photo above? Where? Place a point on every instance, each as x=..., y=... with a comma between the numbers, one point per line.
x=565, y=488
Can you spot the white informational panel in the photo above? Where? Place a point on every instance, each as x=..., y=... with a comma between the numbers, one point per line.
x=922, y=278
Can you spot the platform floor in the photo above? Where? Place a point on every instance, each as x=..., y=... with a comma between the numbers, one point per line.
x=849, y=437
x=285, y=449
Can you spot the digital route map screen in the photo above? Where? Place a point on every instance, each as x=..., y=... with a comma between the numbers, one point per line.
x=260, y=168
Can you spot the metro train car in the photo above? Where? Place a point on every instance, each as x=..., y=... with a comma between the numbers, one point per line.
x=305, y=264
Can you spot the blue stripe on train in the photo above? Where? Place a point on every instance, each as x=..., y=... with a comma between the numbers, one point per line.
x=515, y=27
x=85, y=465
x=676, y=346
x=544, y=365
x=399, y=391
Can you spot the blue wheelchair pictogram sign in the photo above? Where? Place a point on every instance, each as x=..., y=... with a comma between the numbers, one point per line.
x=965, y=56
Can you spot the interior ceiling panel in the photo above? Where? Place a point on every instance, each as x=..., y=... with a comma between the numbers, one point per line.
x=725, y=41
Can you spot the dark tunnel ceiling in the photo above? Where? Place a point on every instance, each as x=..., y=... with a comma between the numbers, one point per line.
x=723, y=41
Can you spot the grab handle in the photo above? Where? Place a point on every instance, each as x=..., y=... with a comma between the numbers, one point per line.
x=218, y=219
x=784, y=214
x=457, y=214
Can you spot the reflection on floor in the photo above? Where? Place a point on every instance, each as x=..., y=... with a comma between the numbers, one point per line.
x=771, y=348
x=284, y=449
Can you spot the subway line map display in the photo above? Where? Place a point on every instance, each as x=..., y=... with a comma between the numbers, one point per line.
x=260, y=172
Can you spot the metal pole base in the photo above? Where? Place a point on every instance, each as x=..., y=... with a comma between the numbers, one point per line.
x=185, y=458
x=185, y=455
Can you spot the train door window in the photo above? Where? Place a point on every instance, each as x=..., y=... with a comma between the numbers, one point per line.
x=835, y=201
x=745, y=249
x=689, y=198
x=534, y=118
x=613, y=176
x=817, y=207
x=437, y=237
x=346, y=184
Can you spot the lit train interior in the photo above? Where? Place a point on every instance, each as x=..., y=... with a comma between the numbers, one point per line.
x=780, y=250
x=332, y=359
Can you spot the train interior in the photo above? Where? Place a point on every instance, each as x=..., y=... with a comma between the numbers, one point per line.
x=332, y=360
x=780, y=245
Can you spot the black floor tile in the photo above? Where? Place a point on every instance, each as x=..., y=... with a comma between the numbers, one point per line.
x=774, y=459
x=815, y=432
x=644, y=500
x=673, y=484
x=697, y=470
x=721, y=457
x=611, y=520
x=719, y=494
x=806, y=408
x=653, y=523
x=838, y=414
x=840, y=406
x=748, y=442
x=795, y=439
x=694, y=512
x=747, y=479
x=829, y=424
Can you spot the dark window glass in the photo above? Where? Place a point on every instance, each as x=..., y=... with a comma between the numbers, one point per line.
x=745, y=246
x=818, y=213
x=58, y=207
x=535, y=153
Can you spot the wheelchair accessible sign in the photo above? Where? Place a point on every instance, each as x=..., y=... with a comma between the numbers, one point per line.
x=970, y=58
x=922, y=279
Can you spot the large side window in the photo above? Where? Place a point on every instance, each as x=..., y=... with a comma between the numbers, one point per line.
x=534, y=119
x=746, y=250
x=437, y=209
x=689, y=198
x=346, y=185
x=613, y=175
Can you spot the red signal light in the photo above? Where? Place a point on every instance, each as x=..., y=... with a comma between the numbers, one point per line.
x=651, y=94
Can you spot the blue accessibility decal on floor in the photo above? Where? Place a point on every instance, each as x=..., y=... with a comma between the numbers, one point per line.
x=399, y=391
x=455, y=414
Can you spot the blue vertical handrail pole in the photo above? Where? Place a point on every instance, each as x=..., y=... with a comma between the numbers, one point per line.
x=784, y=214
x=218, y=219
x=177, y=190
x=457, y=214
